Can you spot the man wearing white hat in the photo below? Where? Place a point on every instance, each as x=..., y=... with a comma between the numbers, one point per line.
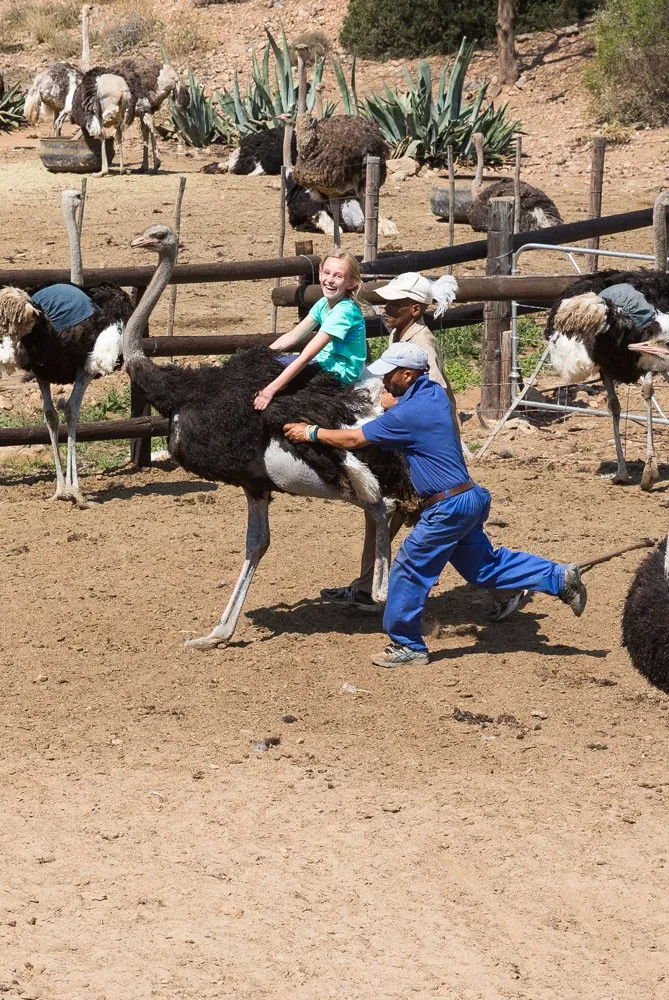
x=450, y=528
x=407, y=298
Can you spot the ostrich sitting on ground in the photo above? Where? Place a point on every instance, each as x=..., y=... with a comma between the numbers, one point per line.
x=645, y=623
x=39, y=336
x=103, y=100
x=595, y=322
x=216, y=433
x=150, y=83
x=262, y=153
x=537, y=211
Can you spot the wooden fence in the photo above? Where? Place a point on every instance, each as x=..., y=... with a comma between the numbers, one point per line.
x=141, y=426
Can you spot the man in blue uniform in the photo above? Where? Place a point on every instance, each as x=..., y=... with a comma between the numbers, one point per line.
x=450, y=529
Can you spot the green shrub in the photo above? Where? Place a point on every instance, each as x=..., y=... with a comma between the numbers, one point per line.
x=630, y=77
x=11, y=109
x=378, y=29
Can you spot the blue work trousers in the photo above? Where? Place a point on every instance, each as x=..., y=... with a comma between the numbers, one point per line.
x=452, y=531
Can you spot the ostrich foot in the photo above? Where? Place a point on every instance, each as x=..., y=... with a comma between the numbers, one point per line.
x=156, y=165
x=650, y=474
x=211, y=641
x=76, y=496
x=620, y=478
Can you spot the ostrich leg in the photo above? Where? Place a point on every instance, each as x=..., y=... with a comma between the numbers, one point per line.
x=119, y=139
x=103, y=157
x=379, y=513
x=257, y=543
x=145, y=145
x=621, y=474
x=335, y=206
x=650, y=473
x=72, y=408
x=51, y=420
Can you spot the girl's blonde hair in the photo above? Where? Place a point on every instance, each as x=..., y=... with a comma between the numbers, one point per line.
x=352, y=265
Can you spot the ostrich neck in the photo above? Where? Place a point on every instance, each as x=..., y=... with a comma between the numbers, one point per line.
x=85, y=42
x=660, y=230
x=76, y=266
x=132, y=337
x=477, y=183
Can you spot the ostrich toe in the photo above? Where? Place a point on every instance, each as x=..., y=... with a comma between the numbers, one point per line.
x=75, y=496
x=650, y=474
x=210, y=641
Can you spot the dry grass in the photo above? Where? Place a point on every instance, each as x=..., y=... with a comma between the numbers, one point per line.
x=184, y=36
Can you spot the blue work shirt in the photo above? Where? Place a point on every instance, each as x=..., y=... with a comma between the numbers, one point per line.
x=64, y=305
x=421, y=427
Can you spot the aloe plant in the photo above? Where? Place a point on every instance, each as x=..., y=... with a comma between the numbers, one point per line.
x=423, y=122
x=198, y=123
x=11, y=109
x=268, y=92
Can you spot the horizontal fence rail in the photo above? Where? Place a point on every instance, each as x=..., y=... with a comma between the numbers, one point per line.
x=96, y=430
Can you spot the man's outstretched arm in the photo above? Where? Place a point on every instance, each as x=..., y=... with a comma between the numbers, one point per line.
x=349, y=438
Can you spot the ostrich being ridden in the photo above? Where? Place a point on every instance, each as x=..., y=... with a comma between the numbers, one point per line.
x=595, y=322
x=537, y=211
x=216, y=433
x=65, y=335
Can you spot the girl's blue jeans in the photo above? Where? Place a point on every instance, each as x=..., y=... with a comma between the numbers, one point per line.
x=452, y=531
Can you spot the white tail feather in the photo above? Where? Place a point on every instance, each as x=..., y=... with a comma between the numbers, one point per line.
x=106, y=352
x=571, y=360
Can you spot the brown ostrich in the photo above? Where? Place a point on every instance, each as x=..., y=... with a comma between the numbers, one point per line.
x=537, y=211
x=103, y=100
x=331, y=156
x=150, y=83
x=53, y=88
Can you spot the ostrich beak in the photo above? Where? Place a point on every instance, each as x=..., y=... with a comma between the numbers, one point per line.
x=653, y=347
x=142, y=241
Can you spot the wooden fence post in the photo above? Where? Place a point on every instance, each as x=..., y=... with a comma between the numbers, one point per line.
x=140, y=448
x=596, y=184
x=496, y=315
x=372, y=184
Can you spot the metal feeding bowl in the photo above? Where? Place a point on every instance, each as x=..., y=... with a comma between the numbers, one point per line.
x=73, y=156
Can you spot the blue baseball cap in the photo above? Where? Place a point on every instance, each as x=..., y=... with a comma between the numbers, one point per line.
x=400, y=356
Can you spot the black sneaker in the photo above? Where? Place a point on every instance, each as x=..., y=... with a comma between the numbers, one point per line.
x=349, y=597
x=503, y=608
x=573, y=591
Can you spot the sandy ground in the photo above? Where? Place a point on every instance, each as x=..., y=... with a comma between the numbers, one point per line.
x=382, y=848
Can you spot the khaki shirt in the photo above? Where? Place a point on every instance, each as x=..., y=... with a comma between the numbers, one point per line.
x=418, y=333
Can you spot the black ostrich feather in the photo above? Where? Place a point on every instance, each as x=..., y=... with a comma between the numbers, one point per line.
x=645, y=620
x=217, y=434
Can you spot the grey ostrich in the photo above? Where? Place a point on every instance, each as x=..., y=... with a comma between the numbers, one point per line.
x=53, y=88
x=597, y=325
x=537, y=211
x=150, y=83
x=645, y=629
x=216, y=433
x=41, y=338
x=103, y=100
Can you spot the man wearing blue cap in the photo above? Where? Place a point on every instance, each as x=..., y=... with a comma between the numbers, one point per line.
x=450, y=528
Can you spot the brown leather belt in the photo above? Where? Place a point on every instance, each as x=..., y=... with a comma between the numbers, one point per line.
x=445, y=494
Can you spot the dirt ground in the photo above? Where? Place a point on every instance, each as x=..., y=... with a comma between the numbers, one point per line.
x=383, y=848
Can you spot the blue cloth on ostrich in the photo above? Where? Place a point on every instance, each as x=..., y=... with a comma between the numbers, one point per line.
x=631, y=301
x=64, y=305
x=421, y=427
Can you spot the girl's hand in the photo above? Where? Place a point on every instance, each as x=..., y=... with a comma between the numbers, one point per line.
x=263, y=399
x=295, y=432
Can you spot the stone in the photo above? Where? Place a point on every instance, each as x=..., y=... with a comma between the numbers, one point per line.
x=404, y=164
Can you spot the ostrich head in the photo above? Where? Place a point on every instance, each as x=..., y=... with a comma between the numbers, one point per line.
x=158, y=238
x=658, y=347
x=169, y=82
x=17, y=318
